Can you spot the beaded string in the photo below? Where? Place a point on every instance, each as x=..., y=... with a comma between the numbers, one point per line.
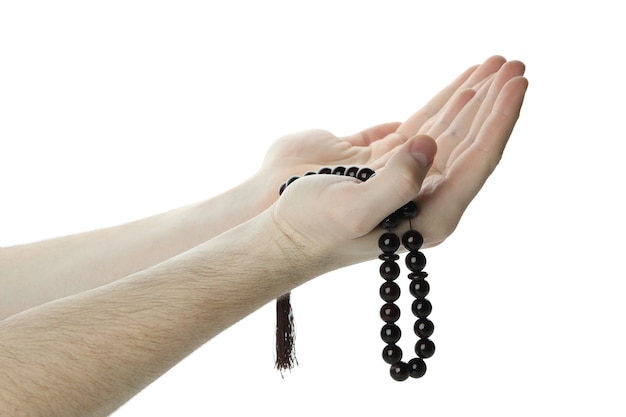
x=389, y=270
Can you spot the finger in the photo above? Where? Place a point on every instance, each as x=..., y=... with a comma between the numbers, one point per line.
x=372, y=134
x=468, y=79
x=443, y=108
x=490, y=66
x=485, y=88
x=456, y=130
x=384, y=149
x=394, y=185
x=508, y=71
x=487, y=80
x=447, y=115
x=413, y=124
x=464, y=129
x=469, y=172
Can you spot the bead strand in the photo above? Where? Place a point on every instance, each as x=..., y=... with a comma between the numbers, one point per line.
x=359, y=173
x=389, y=270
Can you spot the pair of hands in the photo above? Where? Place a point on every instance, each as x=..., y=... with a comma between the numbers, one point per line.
x=440, y=157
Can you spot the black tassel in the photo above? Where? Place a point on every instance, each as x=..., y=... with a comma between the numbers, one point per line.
x=285, y=335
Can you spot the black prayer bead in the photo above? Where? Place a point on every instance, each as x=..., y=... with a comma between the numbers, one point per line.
x=339, y=170
x=419, y=288
x=390, y=222
x=392, y=354
x=282, y=188
x=291, y=180
x=408, y=211
x=420, y=274
x=389, y=270
x=421, y=307
x=390, y=313
x=390, y=333
x=389, y=242
x=424, y=328
x=389, y=291
x=415, y=261
x=425, y=348
x=400, y=371
x=325, y=170
x=310, y=173
x=365, y=174
x=351, y=172
x=417, y=368
x=412, y=240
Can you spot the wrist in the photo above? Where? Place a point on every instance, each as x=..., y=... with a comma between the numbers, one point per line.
x=303, y=258
x=209, y=218
x=263, y=263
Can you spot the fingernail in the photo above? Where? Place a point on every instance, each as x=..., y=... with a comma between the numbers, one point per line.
x=423, y=151
x=421, y=158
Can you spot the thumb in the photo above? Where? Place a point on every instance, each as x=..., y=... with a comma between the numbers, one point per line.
x=399, y=181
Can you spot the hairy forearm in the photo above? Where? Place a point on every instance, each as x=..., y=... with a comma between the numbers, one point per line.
x=40, y=272
x=88, y=353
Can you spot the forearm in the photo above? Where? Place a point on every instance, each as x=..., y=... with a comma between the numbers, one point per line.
x=89, y=353
x=37, y=273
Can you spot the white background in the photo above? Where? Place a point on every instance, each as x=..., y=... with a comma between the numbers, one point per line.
x=111, y=111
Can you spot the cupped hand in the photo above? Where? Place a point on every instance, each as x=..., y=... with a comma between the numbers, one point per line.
x=298, y=153
x=470, y=144
x=337, y=217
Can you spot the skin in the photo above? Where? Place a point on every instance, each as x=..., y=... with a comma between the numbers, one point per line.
x=91, y=319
